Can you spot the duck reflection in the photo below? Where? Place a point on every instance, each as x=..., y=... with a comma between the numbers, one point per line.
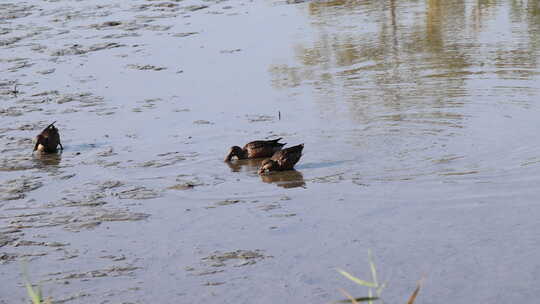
x=50, y=160
x=285, y=179
x=248, y=165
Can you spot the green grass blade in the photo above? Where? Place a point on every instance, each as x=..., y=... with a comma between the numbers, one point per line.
x=34, y=295
x=380, y=289
x=373, y=269
x=357, y=280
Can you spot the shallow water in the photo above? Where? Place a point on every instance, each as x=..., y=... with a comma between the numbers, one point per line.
x=419, y=119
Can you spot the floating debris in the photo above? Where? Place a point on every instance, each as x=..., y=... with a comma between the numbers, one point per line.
x=77, y=49
x=145, y=67
x=185, y=34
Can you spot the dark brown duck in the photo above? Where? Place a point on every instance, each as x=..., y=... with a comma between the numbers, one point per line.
x=282, y=160
x=48, y=140
x=255, y=149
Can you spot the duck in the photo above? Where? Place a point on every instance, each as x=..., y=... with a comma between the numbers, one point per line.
x=255, y=149
x=282, y=160
x=48, y=140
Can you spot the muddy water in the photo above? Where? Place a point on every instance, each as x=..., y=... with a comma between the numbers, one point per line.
x=419, y=118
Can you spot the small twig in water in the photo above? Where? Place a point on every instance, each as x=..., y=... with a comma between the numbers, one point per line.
x=15, y=91
x=348, y=295
x=415, y=292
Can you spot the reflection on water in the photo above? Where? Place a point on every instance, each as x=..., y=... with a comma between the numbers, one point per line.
x=47, y=160
x=410, y=81
x=425, y=57
x=247, y=165
x=285, y=179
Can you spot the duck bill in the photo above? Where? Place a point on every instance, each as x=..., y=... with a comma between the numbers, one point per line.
x=263, y=170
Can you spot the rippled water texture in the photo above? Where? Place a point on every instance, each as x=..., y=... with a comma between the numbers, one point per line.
x=420, y=121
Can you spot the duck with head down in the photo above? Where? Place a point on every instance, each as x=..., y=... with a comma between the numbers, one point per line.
x=48, y=140
x=255, y=149
x=282, y=160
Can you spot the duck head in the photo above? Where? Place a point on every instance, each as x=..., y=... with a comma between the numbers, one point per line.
x=268, y=165
x=235, y=151
x=41, y=142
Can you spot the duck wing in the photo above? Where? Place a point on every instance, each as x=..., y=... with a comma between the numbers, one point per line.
x=288, y=157
x=263, y=148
